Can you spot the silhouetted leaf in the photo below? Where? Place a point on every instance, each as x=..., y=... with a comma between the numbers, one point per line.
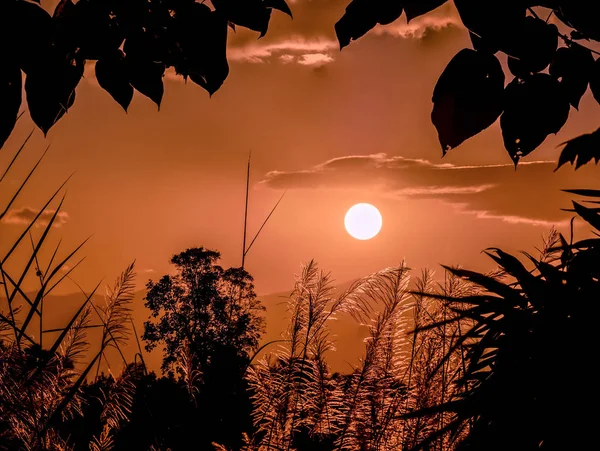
x=494, y=21
x=113, y=77
x=595, y=80
x=416, y=8
x=252, y=14
x=63, y=9
x=581, y=149
x=29, y=29
x=468, y=97
x=572, y=67
x=95, y=28
x=10, y=93
x=202, y=37
x=588, y=215
x=534, y=49
x=50, y=89
x=581, y=15
x=362, y=15
x=584, y=192
x=533, y=109
x=146, y=77
x=280, y=5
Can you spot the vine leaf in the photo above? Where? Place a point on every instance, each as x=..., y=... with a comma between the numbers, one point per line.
x=10, y=93
x=112, y=75
x=416, y=8
x=50, y=89
x=534, y=108
x=572, y=67
x=362, y=15
x=468, y=97
x=581, y=150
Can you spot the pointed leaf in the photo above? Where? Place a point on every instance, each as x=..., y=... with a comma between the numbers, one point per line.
x=581, y=150
x=362, y=15
x=534, y=108
x=416, y=8
x=588, y=215
x=280, y=5
x=534, y=47
x=572, y=67
x=252, y=14
x=595, y=80
x=50, y=89
x=113, y=77
x=468, y=97
x=147, y=78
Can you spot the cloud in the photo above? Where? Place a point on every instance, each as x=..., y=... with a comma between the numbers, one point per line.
x=530, y=195
x=24, y=216
x=443, y=18
x=296, y=49
x=310, y=38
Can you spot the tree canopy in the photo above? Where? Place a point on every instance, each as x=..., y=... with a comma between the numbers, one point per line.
x=547, y=79
x=213, y=311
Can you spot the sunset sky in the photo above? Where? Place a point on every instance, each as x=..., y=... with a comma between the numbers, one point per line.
x=333, y=128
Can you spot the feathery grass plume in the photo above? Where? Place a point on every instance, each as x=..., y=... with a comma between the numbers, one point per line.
x=190, y=374
x=293, y=391
x=362, y=403
x=40, y=379
x=117, y=402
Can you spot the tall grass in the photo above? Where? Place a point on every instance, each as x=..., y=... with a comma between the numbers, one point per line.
x=407, y=365
x=42, y=370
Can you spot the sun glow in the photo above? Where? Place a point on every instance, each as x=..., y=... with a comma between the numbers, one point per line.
x=363, y=221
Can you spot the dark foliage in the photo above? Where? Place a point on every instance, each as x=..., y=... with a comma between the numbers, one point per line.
x=528, y=380
x=163, y=416
x=470, y=93
x=154, y=35
x=208, y=319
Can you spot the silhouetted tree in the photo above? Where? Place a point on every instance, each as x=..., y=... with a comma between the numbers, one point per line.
x=208, y=319
x=470, y=94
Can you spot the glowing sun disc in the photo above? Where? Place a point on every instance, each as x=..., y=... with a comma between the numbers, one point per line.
x=363, y=221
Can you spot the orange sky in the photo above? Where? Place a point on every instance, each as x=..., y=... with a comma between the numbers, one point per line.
x=148, y=184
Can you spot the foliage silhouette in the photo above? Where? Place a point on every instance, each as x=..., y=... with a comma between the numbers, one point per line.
x=470, y=93
x=133, y=41
x=526, y=386
x=209, y=321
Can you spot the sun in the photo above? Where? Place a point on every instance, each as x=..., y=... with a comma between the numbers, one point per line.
x=363, y=221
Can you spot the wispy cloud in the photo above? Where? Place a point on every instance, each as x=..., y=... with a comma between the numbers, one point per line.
x=295, y=49
x=24, y=216
x=530, y=195
x=443, y=18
